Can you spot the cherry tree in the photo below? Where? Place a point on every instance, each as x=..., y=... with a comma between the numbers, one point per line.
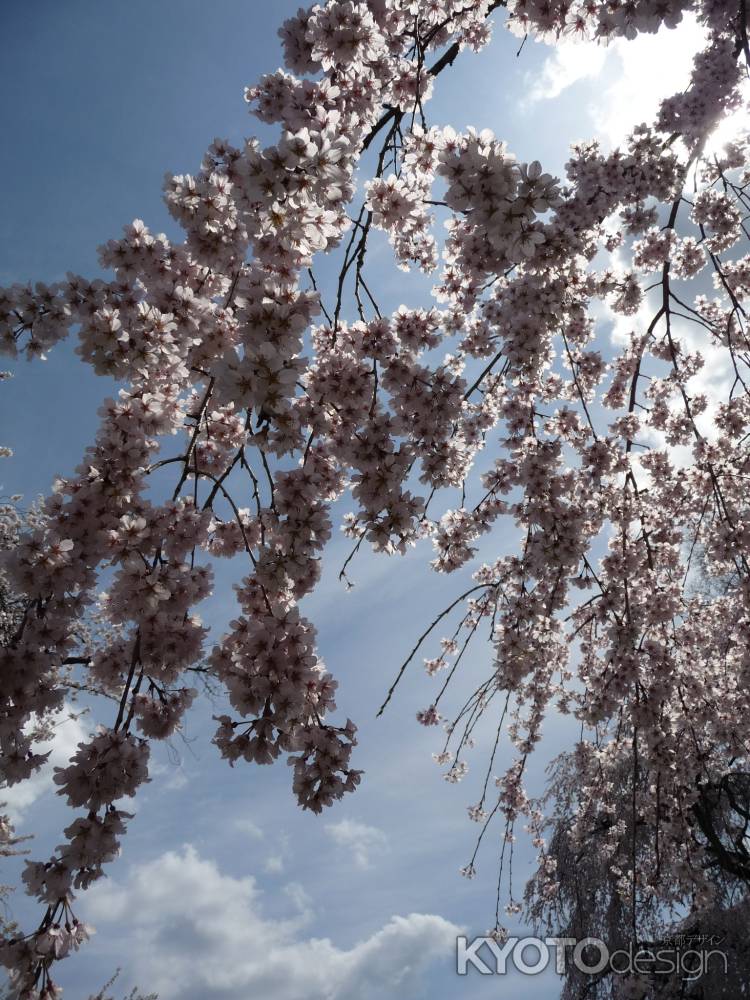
x=250, y=406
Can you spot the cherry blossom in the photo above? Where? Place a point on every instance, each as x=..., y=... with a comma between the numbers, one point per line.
x=261, y=406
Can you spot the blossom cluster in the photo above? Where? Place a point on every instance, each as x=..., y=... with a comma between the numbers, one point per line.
x=208, y=338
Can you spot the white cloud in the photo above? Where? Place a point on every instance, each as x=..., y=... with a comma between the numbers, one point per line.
x=566, y=66
x=360, y=839
x=68, y=734
x=299, y=898
x=248, y=827
x=171, y=774
x=200, y=933
x=177, y=782
x=274, y=864
x=651, y=68
x=627, y=79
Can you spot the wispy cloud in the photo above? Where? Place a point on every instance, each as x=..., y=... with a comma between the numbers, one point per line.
x=361, y=840
x=248, y=828
x=274, y=864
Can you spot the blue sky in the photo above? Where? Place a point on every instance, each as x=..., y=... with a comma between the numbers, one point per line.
x=224, y=885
